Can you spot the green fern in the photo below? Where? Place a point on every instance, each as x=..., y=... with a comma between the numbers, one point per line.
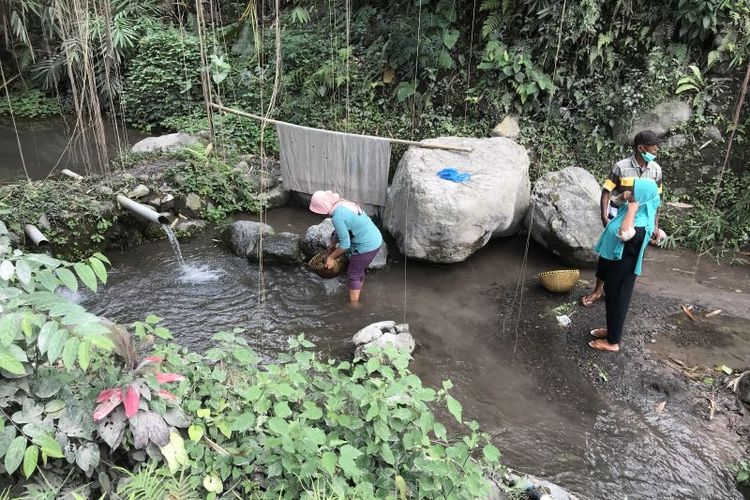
x=492, y=23
x=154, y=483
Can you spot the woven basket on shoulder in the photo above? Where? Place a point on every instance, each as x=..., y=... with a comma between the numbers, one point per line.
x=560, y=281
x=318, y=265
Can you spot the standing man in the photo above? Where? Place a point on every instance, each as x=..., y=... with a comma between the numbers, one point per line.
x=640, y=165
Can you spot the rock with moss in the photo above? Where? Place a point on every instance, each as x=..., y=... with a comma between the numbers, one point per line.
x=186, y=229
x=280, y=248
x=241, y=237
x=168, y=142
x=660, y=119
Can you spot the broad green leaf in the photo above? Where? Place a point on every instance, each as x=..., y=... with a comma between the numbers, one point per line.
x=328, y=462
x=7, y=436
x=86, y=274
x=281, y=409
x=70, y=351
x=9, y=362
x=99, y=269
x=223, y=427
x=243, y=422
x=6, y=270
x=49, y=329
x=68, y=278
x=14, y=455
x=101, y=342
x=195, y=432
x=387, y=454
x=56, y=344
x=162, y=333
x=44, y=260
x=84, y=354
x=213, y=484
x=401, y=485
x=152, y=319
x=23, y=272
x=454, y=407
x=348, y=454
x=30, y=458
x=450, y=38
x=10, y=325
x=174, y=452
x=278, y=425
x=491, y=453
x=49, y=446
x=102, y=258
x=440, y=432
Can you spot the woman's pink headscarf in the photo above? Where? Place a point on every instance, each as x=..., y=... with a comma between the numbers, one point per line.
x=324, y=202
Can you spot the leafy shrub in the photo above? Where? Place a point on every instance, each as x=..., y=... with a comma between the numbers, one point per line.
x=357, y=430
x=228, y=189
x=46, y=344
x=232, y=132
x=719, y=229
x=30, y=104
x=163, y=80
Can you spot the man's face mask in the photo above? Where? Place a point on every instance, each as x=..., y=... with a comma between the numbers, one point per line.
x=648, y=157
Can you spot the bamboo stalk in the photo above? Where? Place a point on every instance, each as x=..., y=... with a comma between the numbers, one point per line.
x=392, y=141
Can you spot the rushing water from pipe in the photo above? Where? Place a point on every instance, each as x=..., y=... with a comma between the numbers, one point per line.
x=175, y=243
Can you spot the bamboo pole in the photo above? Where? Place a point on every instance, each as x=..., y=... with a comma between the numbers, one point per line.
x=392, y=141
x=71, y=174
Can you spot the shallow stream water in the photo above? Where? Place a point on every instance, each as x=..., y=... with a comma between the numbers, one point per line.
x=565, y=431
x=54, y=145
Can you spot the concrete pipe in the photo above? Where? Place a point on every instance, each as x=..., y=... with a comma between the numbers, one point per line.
x=142, y=210
x=36, y=236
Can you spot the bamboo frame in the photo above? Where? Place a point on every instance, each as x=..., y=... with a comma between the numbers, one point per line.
x=392, y=141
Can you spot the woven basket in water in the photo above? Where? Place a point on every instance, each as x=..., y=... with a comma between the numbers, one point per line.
x=560, y=281
x=318, y=265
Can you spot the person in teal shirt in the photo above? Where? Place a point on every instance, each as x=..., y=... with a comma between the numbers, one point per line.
x=621, y=248
x=356, y=235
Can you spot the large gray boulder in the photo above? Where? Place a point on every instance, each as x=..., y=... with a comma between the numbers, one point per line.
x=281, y=248
x=441, y=221
x=317, y=238
x=661, y=119
x=565, y=217
x=168, y=142
x=241, y=237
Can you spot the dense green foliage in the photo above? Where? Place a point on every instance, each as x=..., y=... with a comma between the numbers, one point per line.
x=31, y=104
x=164, y=79
x=576, y=72
x=299, y=427
x=228, y=190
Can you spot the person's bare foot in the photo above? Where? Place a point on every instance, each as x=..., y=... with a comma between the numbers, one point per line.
x=599, y=333
x=603, y=345
x=590, y=299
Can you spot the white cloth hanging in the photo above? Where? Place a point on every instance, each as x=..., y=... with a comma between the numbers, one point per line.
x=354, y=166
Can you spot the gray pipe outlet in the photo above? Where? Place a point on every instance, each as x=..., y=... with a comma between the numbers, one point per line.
x=142, y=210
x=36, y=236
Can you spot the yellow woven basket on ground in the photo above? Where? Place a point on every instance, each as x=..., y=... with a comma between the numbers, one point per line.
x=318, y=265
x=560, y=281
